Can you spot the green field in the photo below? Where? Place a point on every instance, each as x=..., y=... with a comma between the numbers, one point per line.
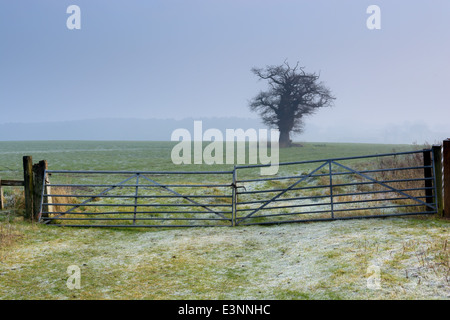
x=321, y=260
x=156, y=156
x=151, y=156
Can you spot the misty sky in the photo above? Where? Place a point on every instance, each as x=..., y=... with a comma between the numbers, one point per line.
x=191, y=58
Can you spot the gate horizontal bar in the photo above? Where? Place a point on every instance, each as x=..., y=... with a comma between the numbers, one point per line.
x=139, y=212
x=327, y=196
x=334, y=174
x=333, y=159
x=345, y=210
x=290, y=206
x=136, y=219
x=140, y=225
x=382, y=191
x=136, y=205
x=284, y=214
x=327, y=211
x=139, y=172
x=282, y=199
x=334, y=203
x=338, y=218
x=133, y=196
x=141, y=185
x=338, y=185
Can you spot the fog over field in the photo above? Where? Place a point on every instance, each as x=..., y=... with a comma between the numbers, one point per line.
x=161, y=130
x=126, y=64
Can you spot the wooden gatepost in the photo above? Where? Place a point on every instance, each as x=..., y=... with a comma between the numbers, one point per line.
x=446, y=177
x=28, y=186
x=437, y=160
x=38, y=187
x=33, y=176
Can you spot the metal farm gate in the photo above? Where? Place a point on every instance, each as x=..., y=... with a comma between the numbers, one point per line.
x=137, y=199
x=384, y=185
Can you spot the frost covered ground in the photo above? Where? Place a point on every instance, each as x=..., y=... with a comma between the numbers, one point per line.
x=403, y=258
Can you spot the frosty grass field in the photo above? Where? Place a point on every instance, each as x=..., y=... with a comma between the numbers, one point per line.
x=323, y=260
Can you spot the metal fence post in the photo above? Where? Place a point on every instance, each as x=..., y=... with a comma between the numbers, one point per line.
x=437, y=159
x=446, y=164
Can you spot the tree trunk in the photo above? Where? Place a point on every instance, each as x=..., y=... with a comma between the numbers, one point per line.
x=284, y=140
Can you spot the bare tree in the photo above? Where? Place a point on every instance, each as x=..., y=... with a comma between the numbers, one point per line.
x=292, y=94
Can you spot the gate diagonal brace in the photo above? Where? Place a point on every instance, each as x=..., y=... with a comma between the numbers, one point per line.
x=184, y=197
x=384, y=185
x=282, y=192
x=93, y=197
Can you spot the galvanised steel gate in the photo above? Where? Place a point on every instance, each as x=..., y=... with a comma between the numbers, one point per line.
x=137, y=199
x=372, y=186
x=393, y=184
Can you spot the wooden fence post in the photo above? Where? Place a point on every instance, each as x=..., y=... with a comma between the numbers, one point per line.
x=446, y=164
x=28, y=186
x=437, y=159
x=38, y=187
x=428, y=173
